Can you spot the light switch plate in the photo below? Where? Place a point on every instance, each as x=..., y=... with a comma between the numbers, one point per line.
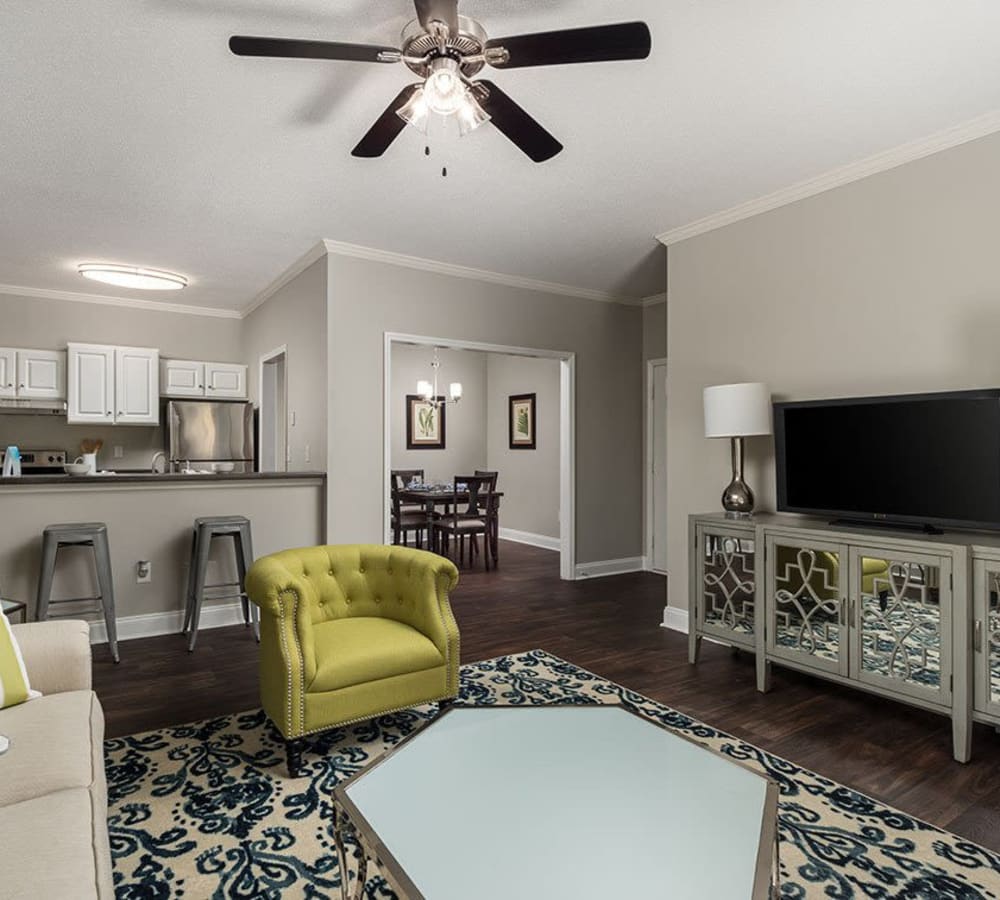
x=119, y=451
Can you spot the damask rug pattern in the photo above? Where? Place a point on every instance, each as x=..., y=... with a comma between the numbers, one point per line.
x=207, y=810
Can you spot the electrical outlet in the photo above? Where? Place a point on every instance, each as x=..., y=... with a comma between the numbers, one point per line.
x=143, y=571
x=119, y=451
x=307, y=454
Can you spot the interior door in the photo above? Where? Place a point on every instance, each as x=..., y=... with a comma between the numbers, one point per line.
x=225, y=381
x=137, y=386
x=8, y=372
x=986, y=635
x=91, y=379
x=41, y=374
x=182, y=378
x=901, y=622
x=806, y=600
x=658, y=466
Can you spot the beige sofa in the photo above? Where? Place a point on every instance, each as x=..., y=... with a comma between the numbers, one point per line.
x=53, y=794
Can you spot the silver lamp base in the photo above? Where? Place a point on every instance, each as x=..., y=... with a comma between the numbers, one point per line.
x=737, y=498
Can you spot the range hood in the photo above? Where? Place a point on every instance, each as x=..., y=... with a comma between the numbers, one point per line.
x=33, y=407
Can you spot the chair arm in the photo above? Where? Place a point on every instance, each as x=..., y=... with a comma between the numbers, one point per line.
x=56, y=655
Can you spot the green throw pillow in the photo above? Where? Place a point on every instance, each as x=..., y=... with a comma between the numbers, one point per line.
x=14, y=686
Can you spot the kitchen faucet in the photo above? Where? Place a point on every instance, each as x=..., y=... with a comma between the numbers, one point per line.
x=156, y=458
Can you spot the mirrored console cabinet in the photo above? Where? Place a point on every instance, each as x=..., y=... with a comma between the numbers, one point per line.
x=908, y=616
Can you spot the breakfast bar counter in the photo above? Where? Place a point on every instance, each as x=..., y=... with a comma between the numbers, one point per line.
x=150, y=519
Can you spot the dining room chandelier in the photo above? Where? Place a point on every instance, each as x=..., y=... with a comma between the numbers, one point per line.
x=428, y=390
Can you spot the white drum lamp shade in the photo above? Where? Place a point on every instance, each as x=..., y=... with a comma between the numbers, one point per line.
x=737, y=410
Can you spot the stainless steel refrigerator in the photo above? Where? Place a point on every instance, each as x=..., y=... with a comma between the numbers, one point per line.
x=210, y=435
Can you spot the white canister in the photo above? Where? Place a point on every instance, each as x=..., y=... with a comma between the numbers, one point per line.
x=90, y=461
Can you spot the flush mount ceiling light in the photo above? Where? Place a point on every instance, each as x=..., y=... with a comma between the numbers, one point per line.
x=132, y=277
x=447, y=51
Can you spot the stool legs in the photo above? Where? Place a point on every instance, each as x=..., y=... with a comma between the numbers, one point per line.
x=189, y=593
x=50, y=548
x=102, y=558
x=202, y=548
x=244, y=556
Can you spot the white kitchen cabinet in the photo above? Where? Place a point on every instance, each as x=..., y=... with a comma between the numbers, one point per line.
x=32, y=374
x=8, y=372
x=41, y=375
x=113, y=385
x=225, y=381
x=182, y=378
x=215, y=381
x=137, y=386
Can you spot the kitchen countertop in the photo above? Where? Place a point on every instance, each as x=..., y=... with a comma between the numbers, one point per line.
x=150, y=478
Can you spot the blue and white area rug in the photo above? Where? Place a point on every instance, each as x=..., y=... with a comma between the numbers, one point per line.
x=207, y=810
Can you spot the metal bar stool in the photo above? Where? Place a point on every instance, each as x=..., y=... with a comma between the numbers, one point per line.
x=81, y=534
x=205, y=531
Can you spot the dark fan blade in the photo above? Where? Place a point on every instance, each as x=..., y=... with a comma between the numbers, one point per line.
x=516, y=124
x=440, y=10
x=576, y=45
x=388, y=127
x=286, y=47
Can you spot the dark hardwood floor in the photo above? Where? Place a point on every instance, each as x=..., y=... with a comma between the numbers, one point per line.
x=611, y=626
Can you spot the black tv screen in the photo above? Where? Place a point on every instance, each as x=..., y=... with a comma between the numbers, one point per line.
x=924, y=458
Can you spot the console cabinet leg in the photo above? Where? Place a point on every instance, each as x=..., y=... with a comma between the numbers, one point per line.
x=961, y=734
x=694, y=648
x=763, y=673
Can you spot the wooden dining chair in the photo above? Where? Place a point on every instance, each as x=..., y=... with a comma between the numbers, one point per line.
x=493, y=536
x=406, y=519
x=468, y=522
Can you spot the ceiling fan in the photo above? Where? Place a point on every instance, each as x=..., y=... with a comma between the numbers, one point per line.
x=447, y=51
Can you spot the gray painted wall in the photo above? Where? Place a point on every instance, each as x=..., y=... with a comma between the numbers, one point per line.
x=607, y=339
x=528, y=478
x=295, y=317
x=45, y=324
x=887, y=285
x=654, y=331
x=465, y=424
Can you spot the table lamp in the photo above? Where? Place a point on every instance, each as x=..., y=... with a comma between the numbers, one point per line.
x=737, y=411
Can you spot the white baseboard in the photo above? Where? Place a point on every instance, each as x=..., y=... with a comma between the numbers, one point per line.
x=532, y=540
x=154, y=624
x=675, y=619
x=609, y=567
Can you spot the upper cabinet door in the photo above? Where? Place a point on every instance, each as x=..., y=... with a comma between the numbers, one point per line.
x=8, y=372
x=182, y=378
x=41, y=374
x=91, y=381
x=225, y=381
x=137, y=386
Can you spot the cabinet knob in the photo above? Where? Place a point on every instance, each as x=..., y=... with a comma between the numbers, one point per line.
x=20, y=385
x=211, y=387
x=110, y=413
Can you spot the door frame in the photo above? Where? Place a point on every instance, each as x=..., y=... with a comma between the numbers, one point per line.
x=567, y=430
x=647, y=467
x=263, y=360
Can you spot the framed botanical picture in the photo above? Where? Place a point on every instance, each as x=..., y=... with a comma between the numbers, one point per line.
x=521, y=422
x=425, y=424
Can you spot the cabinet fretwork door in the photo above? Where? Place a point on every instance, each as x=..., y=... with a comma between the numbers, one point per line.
x=901, y=622
x=986, y=636
x=726, y=584
x=806, y=592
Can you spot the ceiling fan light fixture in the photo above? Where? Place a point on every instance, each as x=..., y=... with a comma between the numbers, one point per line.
x=135, y=277
x=470, y=114
x=444, y=89
x=415, y=111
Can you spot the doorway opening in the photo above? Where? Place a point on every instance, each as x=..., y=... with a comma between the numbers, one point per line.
x=273, y=425
x=656, y=465
x=562, y=410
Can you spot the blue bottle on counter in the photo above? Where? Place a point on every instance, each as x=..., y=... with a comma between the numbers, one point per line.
x=12, y=462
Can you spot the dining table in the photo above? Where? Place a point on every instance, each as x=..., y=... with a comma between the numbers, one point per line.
x=432, y=497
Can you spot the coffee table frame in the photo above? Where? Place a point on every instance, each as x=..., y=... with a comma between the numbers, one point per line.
x=347, y=816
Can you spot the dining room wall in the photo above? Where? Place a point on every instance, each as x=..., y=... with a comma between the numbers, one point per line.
x=607, y=341
x=465, y=422
x=529, y=479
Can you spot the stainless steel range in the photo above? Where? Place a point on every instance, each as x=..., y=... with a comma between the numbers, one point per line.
x=40, y=462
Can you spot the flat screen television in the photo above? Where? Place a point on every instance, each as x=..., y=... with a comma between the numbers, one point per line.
x=913, y=460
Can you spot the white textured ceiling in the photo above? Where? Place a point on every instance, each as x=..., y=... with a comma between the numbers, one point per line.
x=129, y=133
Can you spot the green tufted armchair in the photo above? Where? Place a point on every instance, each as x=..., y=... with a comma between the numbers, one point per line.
x=351, y=632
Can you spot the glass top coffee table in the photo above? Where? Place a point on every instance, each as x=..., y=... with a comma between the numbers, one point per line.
x=560, y=801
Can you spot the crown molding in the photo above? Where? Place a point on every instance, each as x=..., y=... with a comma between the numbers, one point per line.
x=312, y=255
x=881, y=162
x=338, y=248
x=129, y=302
